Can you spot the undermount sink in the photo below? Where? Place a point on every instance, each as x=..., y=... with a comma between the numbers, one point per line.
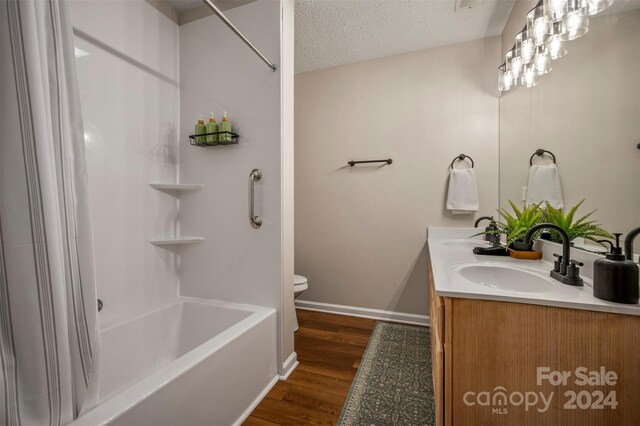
x=467, y=243
x=504, y=277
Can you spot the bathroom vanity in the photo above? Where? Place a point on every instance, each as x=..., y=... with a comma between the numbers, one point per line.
x=511, y=346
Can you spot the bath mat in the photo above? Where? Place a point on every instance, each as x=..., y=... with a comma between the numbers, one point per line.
x=393, y=385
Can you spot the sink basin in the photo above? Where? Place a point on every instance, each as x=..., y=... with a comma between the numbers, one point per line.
x=504, y=277
x=467, y=243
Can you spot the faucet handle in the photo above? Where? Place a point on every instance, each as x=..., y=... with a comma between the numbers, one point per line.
x=556, y=264
x=573, y=270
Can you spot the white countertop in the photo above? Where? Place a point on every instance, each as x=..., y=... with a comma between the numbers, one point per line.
x=447, y=248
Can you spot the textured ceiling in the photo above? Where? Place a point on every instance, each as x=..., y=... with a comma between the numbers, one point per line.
x=183, y=5
x=335, y=32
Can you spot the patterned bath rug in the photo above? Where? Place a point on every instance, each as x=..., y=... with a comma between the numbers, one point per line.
x=393, y=385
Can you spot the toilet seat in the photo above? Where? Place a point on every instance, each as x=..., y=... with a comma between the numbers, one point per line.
x=300, y=283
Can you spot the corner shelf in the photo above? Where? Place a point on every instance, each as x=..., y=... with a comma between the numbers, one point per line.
x=199, y=140
x=176, y=240
x=176, y=186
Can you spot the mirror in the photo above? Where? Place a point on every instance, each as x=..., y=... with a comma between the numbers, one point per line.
x=586, y=112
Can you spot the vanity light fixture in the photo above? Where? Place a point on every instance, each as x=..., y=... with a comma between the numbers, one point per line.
x=529, y=76
x=506, y=81
x=543, y=39
x=575, y=22
x=538, y=25
x=597, y=6
x=542, y=60
x=556, y=46
x=514, y=64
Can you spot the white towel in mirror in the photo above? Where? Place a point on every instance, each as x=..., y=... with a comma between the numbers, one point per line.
x=544, y=185
x=462, y=197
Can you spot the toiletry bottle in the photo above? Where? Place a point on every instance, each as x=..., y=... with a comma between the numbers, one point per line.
x=225, y=126
x=212, y=127
x=200, y=129
x=616, y=279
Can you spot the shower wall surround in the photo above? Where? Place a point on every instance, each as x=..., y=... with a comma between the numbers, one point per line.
x=142, y=85
x=129, y=88
x=235, y=262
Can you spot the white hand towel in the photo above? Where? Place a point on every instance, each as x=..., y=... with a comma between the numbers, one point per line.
x=463, y=191
x=544, y=185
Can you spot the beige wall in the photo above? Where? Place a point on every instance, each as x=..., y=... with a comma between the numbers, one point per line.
x=360, y=232
x=587, y=112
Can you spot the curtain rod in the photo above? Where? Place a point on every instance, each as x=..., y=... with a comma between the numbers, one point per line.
x=233, y=28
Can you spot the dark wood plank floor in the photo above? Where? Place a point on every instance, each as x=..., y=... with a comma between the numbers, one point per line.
x=329, y=349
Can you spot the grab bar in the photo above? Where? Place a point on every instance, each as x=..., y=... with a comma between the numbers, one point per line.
x=254, y=176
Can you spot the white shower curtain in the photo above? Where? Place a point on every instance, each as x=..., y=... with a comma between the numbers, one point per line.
x=48, y=316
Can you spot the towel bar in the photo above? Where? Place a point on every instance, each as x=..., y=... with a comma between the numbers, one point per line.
x=540, y=152
x=462, y=157
x=353, y=163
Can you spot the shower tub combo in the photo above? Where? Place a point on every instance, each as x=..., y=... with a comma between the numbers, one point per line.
x=195, y=362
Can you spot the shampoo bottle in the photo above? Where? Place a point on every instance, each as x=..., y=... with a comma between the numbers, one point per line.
x=200, y=129
x=616, y=279
x=212, y=127
x=225, y=126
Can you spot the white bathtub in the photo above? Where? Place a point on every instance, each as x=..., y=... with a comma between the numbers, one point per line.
x=197, y=362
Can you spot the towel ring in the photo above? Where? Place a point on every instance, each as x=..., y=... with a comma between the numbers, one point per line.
x=540, y=152
x=462, y=157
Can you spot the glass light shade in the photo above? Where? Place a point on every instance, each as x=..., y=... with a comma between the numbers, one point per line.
x=538, y=25
x=513, y=63
x=505, y=79
x=526, y=46
x=575, y=22
x=555, y=45
x=542, y=61
x=529, y=77
x=555, y=9
x=597, y=6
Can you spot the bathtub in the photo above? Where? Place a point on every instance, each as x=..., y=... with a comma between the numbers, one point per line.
x=196, y=362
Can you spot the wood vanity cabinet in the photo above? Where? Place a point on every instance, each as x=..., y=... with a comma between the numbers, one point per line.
x=482, y=350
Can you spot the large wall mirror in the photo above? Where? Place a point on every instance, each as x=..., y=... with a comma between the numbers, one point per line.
x=586, y=114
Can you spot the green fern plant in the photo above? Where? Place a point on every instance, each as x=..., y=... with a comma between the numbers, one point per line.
x=516, y=225
x=580, y=228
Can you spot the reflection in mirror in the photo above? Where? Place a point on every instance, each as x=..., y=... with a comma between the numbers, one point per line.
x=586, y=114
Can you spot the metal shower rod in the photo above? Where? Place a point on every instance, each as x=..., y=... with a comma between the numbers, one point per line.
x=233, y=28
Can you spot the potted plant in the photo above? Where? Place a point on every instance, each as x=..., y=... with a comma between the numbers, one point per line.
x=516, y=225
x=580, y=228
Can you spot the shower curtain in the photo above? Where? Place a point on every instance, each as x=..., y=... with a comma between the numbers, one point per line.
x=48, y=315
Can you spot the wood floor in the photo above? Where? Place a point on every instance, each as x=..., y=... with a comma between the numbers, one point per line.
x=329, y=349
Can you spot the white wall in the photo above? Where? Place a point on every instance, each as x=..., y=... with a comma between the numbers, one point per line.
x=586, y=111
x=218, y=72
x=129, y=88
x=360, y=232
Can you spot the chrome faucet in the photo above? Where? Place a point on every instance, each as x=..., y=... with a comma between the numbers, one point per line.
x=565, y=270
x=628, y=243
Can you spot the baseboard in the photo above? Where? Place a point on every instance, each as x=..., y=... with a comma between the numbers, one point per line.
x=256, y=401
x=354, y=311
x=289, y=365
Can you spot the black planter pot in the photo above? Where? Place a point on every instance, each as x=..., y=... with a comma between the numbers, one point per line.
x=519, y=245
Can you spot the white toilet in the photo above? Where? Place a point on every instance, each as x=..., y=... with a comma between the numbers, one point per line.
x=300, y=284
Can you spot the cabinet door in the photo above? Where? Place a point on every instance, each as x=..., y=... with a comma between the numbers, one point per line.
x=436, y=315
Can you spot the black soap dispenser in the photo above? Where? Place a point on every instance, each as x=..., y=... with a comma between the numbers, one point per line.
x=616, y=279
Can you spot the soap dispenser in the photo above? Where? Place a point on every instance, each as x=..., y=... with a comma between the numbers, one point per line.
x=225, y=126
x=616, y=279
x=212, y=127
x=200, y=130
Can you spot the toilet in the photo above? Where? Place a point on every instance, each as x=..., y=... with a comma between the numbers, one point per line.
x=300, y=284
